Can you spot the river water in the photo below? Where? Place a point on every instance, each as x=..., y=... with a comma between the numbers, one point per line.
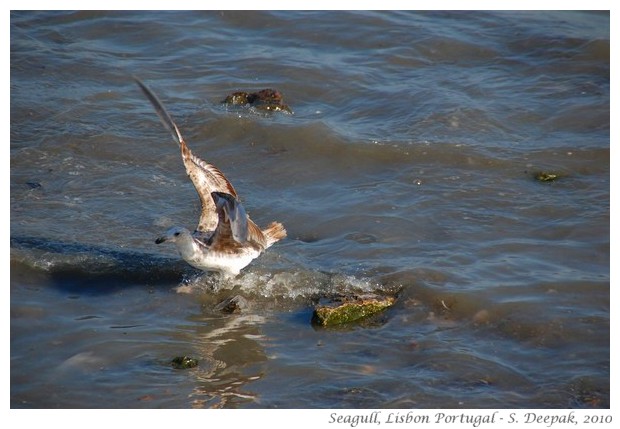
x=408, y=168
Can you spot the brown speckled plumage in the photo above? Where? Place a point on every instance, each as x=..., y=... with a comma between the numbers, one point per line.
x=213, y=245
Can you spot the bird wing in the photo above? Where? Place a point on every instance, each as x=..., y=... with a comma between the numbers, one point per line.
x=234, y=221
x=205, y=176
x=230, y=211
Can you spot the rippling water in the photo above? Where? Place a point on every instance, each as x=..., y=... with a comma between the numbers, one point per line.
x=408, y=167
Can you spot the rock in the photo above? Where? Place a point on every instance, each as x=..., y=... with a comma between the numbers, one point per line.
x=238, y=98
x=184, y=362
x=232, y=305
x=350, y=309
x=265, y=99
x=543, y=176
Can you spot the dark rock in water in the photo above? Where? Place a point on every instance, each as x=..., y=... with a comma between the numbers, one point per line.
x=231, y=305
x=265, y=99
x=184, y=362
x=543, y=176
x=350, y=309
x=239, y=98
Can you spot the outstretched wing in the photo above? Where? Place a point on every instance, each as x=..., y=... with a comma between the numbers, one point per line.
x=231, y=212
x=234, y=221
x=206, y=177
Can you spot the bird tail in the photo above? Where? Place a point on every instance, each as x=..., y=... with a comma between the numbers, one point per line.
x=274, y=232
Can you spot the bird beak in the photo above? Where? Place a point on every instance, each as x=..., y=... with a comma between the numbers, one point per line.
x=160, y=240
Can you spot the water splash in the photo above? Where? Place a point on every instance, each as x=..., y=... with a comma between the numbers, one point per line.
x=291, y=285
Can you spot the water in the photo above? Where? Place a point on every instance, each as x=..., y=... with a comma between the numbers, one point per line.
x=407, y=168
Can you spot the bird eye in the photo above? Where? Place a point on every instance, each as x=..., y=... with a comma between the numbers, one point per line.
x=176, y=234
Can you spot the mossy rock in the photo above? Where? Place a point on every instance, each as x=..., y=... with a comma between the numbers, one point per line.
x=239, y=98
x=343, y=310
x=265, y=99
x=546, y=176
x=184, y=362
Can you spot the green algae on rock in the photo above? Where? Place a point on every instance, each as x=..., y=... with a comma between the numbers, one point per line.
x=350, y=309
x=265, y=99
x=184, y=362
x=543, y=176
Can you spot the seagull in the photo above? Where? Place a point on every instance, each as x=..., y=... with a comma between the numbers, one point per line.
x=225, y=240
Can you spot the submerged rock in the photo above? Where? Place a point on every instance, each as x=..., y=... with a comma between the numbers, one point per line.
x=545, y=176
x=233, y=304
x=184, y=362
x=265, y=99
x=350, y=309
